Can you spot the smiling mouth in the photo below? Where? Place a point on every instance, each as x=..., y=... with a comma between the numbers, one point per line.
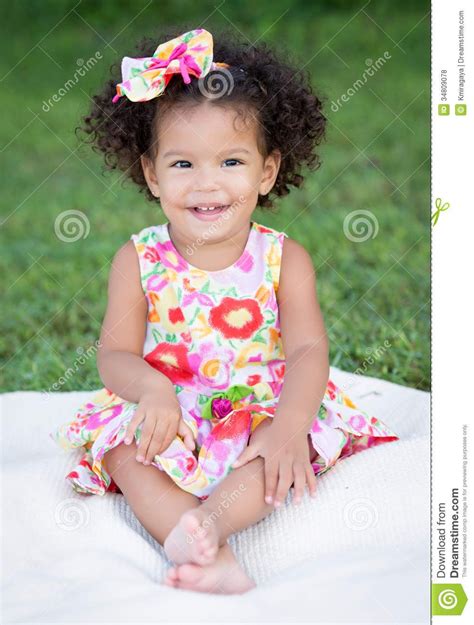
x=211, y=210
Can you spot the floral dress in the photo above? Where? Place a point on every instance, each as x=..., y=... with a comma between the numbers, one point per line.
x=216, y=336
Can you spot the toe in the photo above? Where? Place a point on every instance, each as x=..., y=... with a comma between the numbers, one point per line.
x=170, y=579
x=189, y=573
x=172, y=573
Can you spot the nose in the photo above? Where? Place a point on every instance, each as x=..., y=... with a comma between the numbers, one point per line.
x=206, y=180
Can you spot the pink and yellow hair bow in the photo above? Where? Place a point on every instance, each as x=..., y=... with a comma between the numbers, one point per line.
x=146, y=78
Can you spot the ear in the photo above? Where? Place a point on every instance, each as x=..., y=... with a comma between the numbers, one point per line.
x=150, y=175
x=271, y=167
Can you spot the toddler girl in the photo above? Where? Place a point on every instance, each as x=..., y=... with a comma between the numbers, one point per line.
x=213, y=350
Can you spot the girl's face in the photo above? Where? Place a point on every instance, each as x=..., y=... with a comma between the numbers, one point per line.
x=207, y=156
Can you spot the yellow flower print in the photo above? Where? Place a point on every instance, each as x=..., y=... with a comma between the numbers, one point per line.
x=167, y=308
x=153, y=315
x=200, y=328
x=262, y=295
x=273, y=260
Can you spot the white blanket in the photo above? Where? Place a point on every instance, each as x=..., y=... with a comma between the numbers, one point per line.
x=358, y=553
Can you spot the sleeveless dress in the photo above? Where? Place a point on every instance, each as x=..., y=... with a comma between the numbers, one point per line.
x=216, y=336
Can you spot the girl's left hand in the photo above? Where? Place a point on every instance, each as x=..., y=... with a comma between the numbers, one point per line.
x=287, y=461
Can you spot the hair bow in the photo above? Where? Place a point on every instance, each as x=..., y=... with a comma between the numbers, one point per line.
x=146, y=77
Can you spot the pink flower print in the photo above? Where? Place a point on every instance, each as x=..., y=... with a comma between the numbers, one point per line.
x=202, y=298
x=316, y=426
x=156, y=283
x=95, y=480
x=169, y=256
x=245, y=262
x=357, y=421
x=213, y=364
x=277, y=370
x=102, y=417
x=221, y=407
x=220, y=451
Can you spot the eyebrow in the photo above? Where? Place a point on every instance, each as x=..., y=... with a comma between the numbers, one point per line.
x=230, y=150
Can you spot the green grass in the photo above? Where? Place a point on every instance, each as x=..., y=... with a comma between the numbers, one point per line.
x=55, y=292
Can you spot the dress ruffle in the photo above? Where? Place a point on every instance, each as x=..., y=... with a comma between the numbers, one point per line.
x=340, y=429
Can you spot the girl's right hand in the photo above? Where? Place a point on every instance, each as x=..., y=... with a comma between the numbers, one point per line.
x=161, y=413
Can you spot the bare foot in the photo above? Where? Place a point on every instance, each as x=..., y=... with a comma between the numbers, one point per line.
x=223, y=576
x=192, y=540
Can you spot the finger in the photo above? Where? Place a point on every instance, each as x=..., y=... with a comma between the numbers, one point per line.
x=285, y=479
x=300, y=481
x=157, y=442
x=147, y=433
x=167, y=437
x=134, y=423
x=187, y=434
x=249, y=453
x=311, y=480
x=271, y=479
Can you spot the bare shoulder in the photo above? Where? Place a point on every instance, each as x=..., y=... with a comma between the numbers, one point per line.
x=301, y=318
x=125, y=264
x=296, y=265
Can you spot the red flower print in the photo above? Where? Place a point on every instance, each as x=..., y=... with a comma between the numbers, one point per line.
x=175, y=315
x=84, y=463
x=236, y=318
x=262, y=228
x=331, y=390
x=233, y=428
x=254, y=379
x=151, y=254
x=172, y=360
x=190, y=464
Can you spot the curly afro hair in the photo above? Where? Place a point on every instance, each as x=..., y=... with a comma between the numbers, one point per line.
x=276, y=93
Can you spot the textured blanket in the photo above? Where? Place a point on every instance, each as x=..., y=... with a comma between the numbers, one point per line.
x=357, y=553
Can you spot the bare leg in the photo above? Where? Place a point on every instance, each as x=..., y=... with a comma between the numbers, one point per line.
x=156, y=500
x=237, y=503
x=239, y=500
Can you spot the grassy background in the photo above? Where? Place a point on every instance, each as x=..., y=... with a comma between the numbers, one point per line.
x=370, y=292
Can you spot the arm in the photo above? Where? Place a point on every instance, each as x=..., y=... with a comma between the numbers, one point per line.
x=304, y=339
x=120, y=361
x=285, y=446
x=122, y=367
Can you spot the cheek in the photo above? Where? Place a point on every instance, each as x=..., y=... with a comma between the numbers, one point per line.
x=247, y=183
